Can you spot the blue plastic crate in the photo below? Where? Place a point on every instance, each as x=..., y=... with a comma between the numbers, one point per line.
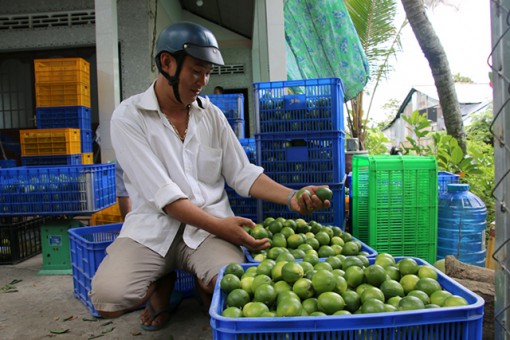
x=299, y=105
x=57, y=190
x=86, y=140
x=242, y=206
x=237, y=124
x=51, y=160
x=435, y=323
x=88, y=249
x=302, y=158
x=78, y=117
x=444, y=178
x=335, y=215
x=250, y=147
x=232, y=104
x=7, y=163
x=371, y=252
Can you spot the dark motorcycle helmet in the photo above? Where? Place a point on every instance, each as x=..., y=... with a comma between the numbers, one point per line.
x=182, y=39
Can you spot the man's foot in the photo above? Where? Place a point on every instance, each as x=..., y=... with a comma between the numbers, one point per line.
x=152, y=320
x=159, y=306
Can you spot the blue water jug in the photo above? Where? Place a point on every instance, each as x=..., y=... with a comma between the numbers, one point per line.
x=462, y=219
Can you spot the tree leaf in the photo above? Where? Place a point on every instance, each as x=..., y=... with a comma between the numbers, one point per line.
x=457, y=155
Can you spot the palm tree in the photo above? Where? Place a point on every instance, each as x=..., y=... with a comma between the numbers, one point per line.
x=373, y=20
x=438, y=62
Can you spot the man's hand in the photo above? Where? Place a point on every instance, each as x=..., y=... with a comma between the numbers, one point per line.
x=306, y=204
x=233, y=231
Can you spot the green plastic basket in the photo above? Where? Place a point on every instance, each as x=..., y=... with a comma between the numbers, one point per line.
x=395, y=204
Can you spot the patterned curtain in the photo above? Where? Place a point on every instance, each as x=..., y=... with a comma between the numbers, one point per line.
x=322, y=43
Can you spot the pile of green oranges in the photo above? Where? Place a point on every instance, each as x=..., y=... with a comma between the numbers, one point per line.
x=339, y=285
x=293, y=239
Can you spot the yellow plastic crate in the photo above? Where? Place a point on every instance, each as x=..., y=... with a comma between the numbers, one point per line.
x=87, y=158
x=47, y=142
x=62, y=70
x=62, y=94
x=107, y=216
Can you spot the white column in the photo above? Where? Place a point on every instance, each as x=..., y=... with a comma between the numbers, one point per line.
x=268, y=51
x=108, y=83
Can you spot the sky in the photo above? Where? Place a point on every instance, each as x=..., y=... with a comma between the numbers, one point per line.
x=465, y=33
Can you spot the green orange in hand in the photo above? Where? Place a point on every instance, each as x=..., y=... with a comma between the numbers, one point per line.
x=324, y=194
x=301, y=192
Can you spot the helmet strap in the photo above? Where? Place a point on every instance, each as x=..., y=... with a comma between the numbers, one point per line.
x=174, y=80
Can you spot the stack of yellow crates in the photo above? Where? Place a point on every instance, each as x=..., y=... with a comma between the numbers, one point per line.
x=63, y=116
x=107, y=216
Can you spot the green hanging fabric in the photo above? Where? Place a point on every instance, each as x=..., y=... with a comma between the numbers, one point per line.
x=323, y=43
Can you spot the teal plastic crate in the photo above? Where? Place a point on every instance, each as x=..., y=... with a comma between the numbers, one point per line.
x=460, y=323
x=88, y=249
x=395, y=204
x=308, y=105
x=57, y=189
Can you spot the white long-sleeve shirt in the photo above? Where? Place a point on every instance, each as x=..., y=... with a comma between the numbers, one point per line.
x=161, y=169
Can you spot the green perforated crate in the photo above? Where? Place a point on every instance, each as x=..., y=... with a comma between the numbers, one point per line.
x=395, y=204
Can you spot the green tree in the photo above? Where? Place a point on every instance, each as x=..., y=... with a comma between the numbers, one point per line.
x=376, y=143
x=438, y=61
x=479, y=128
x=458, y=78
x=373, y=20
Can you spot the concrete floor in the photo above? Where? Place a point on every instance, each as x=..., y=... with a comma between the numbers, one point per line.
x=41, y=304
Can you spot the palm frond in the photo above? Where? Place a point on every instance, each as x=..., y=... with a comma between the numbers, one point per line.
x=373, y=20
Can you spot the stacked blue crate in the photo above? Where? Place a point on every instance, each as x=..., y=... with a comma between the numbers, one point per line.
x=232, y=105
x=300, y=141
x=244, y=206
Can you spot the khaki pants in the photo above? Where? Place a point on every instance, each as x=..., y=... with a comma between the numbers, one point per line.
x=125, y=274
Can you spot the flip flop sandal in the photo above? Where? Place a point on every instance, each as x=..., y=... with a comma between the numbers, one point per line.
x=175, y=300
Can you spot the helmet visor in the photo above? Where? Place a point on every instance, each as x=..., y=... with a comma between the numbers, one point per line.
x=209, y=54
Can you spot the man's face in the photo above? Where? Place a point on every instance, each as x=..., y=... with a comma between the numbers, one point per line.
x=193, y=78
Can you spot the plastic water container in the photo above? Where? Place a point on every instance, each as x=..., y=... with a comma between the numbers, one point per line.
x=462, y=219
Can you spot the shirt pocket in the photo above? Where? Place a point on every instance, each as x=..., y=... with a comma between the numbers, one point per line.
x=209, y=164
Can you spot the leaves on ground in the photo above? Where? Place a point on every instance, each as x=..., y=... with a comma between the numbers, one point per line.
x=90, y=319
x=8, y=288
x=107, y=330
x=59, y=331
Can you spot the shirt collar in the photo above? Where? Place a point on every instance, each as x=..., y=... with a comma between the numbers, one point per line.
x=149, y=101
